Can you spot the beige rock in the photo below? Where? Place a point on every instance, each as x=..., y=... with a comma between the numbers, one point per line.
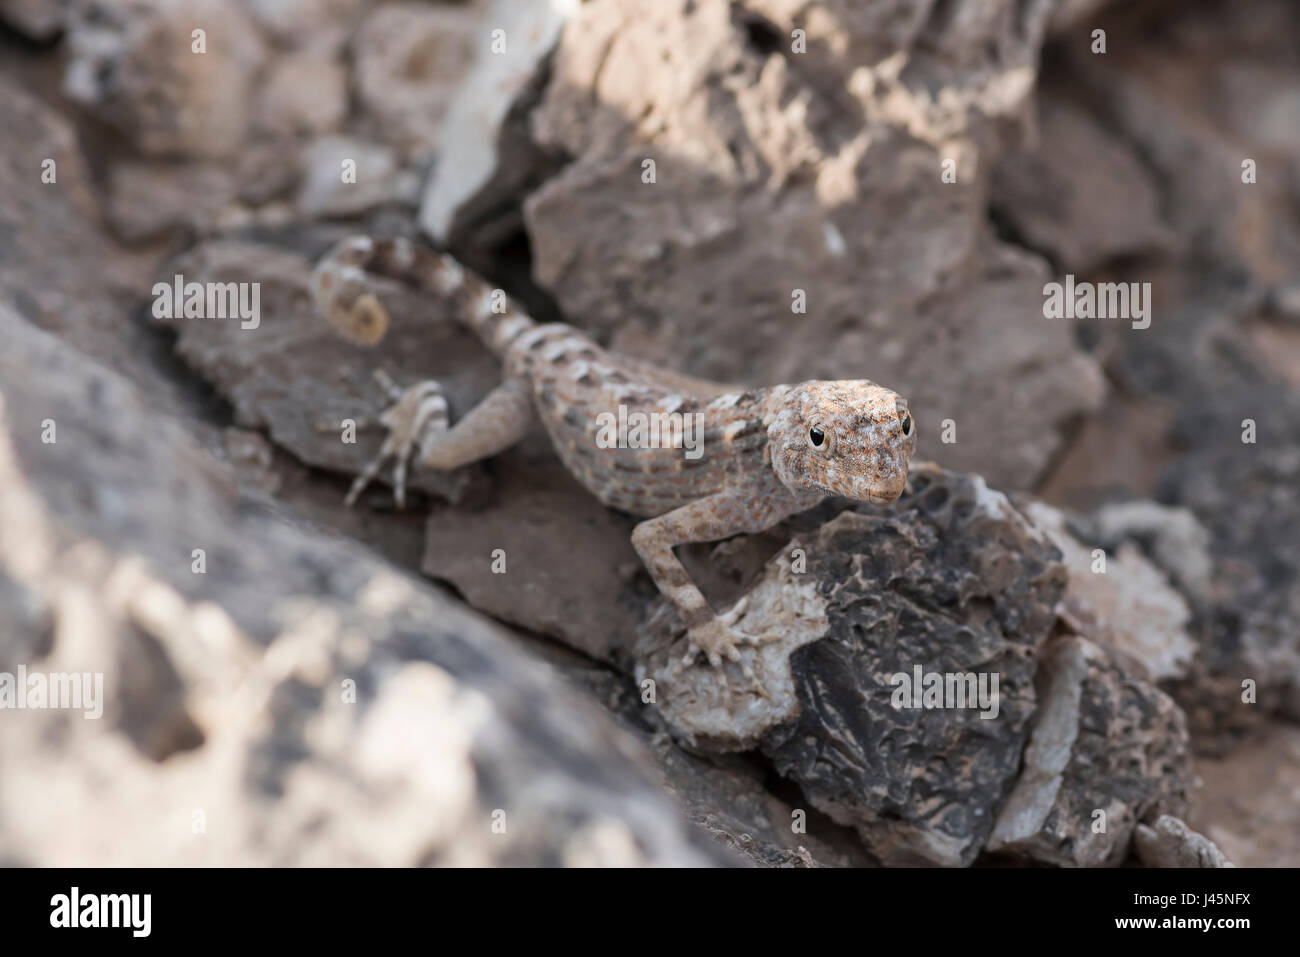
x=138, y=65
x=1121, y=599
x=304, y=93
x=318, y=24
x=409, y=59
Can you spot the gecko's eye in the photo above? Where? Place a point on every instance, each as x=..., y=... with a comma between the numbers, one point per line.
x=907, y=424
x=816, y=437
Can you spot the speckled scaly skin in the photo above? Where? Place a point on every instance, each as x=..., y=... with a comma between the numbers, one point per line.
x=765, y=453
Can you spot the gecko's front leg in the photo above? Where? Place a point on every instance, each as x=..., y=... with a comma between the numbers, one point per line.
x=718, y=516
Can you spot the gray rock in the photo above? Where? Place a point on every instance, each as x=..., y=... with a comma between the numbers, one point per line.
x=1248, y=497
x=30, y=622
x=729, y=796
x=1171, y=843
x=1194, y=145
x=1218, y=352
x=60, y=270
x=298, y=702
x=1176, y=541
x=587, y=597
x=1107, y=750
x=952, y=578
x=1081, y=214
x=150, y=199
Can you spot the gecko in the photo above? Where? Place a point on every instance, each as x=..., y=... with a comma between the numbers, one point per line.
x=762, y=455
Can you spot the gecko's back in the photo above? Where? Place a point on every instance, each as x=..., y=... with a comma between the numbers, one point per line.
x=635, y=443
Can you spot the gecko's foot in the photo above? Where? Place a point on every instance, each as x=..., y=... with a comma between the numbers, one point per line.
x=344, y=293
x=718, y=640
x=417, y=415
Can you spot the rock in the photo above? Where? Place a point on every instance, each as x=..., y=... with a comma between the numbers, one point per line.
x=299, y=24
x=373, y=178
x=59, y=270
x=1285, y=303
x=137, y=66
x=1241, y=572
x=269, y=170
x=586, y=597
x=1216, y=353
x=1171, y=843
x=332, y=378
x=784, y=163
x=1125, y=603
x=1107, y=751
x=298, y=703
x=1071, y=14
x=727, y=795
x=781, y=175
x=252, y=459
x=28, y=615
x=1148, y=84
x=147, y=200
x=732, y=804
x=40, y=20
x=1080, y=214
x=409, y=59
x=487, y=158
x=304, y=94
x=1176, y=541
x=1248, y=497
x=952, y=578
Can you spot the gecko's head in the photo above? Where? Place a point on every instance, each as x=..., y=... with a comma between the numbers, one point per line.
x=849, y=437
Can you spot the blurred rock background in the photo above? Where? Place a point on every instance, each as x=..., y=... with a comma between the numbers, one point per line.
x=797, y=146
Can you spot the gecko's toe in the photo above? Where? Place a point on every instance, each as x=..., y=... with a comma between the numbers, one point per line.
x=734, y=613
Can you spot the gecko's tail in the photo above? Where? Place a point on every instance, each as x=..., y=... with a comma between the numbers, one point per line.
x=343, y=287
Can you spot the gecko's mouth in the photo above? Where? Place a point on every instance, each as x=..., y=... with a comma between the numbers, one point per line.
x=865, y=490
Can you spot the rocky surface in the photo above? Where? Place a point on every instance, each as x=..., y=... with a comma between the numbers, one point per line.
x=1198, y=98
x=952, y=579
x=295, y=702
x=174, y=77
x=1171, y=843
x=1106, y=752
x=1122, y=600
x=800, y=156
